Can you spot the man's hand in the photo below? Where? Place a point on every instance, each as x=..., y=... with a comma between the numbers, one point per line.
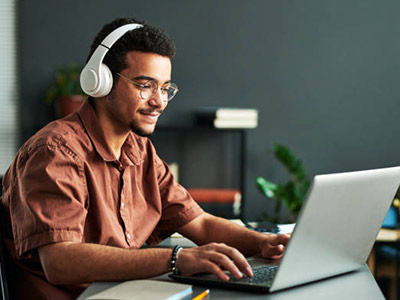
x=213, y=258
x=274, y=245
x=218, y=257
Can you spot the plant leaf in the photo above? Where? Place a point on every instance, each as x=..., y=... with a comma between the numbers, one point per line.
x=66, y=83
x=293, y=193
x=266, y=187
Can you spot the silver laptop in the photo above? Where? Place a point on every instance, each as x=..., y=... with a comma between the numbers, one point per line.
x=335, y=232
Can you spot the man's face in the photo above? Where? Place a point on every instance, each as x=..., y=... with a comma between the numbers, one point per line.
x=126, y=108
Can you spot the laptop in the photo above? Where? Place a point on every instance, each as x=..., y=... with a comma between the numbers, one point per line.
x=334, y=234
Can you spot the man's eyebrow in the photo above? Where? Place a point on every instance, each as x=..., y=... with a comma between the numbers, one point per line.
x=143, y=77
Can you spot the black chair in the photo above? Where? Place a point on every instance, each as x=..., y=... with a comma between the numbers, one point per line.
x=3, y=259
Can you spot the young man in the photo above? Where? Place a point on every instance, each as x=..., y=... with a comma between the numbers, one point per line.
x=86, y=192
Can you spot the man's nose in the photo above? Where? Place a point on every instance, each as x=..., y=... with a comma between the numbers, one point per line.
x=157, y=99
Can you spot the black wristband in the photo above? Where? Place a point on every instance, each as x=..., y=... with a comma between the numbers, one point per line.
x=174, y=257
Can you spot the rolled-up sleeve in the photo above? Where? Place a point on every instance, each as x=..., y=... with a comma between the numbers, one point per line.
x=48, y=200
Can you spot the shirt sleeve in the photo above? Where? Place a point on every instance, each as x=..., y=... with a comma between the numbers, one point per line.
x=48, y=197
x=178, y=207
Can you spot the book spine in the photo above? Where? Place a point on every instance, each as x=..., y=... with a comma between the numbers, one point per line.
x=215, y=195
x=227, y=113
x=222, y=123
x=235, y=123
x=233, y=114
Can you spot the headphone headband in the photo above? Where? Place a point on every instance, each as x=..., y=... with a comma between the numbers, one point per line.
x=96, y=77
x=118, y=33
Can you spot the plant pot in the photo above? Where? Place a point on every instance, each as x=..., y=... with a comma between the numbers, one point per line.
x=69, y=105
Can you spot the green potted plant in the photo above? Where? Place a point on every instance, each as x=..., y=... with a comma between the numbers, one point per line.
x=290, y=194
x=65, y=92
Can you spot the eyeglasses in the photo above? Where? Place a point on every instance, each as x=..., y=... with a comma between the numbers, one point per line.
x=149, y=88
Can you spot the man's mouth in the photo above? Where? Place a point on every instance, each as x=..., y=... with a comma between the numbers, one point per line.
x=151, y=114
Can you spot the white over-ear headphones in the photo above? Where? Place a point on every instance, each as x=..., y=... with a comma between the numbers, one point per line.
x=96, y=78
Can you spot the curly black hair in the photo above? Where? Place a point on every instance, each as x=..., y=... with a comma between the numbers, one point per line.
x=148, y=38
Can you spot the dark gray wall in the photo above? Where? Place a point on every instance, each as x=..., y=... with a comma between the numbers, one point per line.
x=323, y=74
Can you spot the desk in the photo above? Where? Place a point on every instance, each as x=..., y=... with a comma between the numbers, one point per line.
x=359, y=284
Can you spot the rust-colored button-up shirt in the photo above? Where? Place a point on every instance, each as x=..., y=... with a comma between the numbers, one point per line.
x=65, y=184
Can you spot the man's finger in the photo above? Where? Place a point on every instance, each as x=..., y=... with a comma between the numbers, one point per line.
x=235, y=256
x=281, y=239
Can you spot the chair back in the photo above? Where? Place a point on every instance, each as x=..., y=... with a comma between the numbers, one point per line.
x=3, y=276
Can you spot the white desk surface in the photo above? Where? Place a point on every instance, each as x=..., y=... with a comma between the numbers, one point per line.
x=355, y=285
x=359, y=284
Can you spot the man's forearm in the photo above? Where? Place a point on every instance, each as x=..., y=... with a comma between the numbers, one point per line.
x=208, y=228
x=70, y=263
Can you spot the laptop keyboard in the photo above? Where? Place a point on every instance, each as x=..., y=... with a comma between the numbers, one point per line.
x=262, y=275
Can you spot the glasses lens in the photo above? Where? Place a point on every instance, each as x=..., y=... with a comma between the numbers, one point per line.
x=148, y=89
x=172, y=90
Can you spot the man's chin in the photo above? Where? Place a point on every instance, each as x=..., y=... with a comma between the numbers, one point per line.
x=145, y=132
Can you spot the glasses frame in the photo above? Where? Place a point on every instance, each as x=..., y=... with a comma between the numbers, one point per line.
x=141, y=87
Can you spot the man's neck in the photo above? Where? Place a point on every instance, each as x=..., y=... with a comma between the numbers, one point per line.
x=114, y=139
x=114, y=135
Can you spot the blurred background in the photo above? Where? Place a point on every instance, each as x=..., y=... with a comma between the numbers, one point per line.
x=323, y=75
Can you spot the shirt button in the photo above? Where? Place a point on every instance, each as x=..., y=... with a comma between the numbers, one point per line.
x=128, y=236
x=122, y=204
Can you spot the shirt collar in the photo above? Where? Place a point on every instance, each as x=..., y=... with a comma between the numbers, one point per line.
x=90, y=122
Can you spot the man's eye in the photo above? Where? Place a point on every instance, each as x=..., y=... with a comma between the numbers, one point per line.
x=165, y=89
x=146, y=86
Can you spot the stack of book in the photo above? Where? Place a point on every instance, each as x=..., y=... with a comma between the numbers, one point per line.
x=227, y=117
x=144, y=290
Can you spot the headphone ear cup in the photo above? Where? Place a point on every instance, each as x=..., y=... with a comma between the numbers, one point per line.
x=106, y=81
x=90, y=81
x=96, y=84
